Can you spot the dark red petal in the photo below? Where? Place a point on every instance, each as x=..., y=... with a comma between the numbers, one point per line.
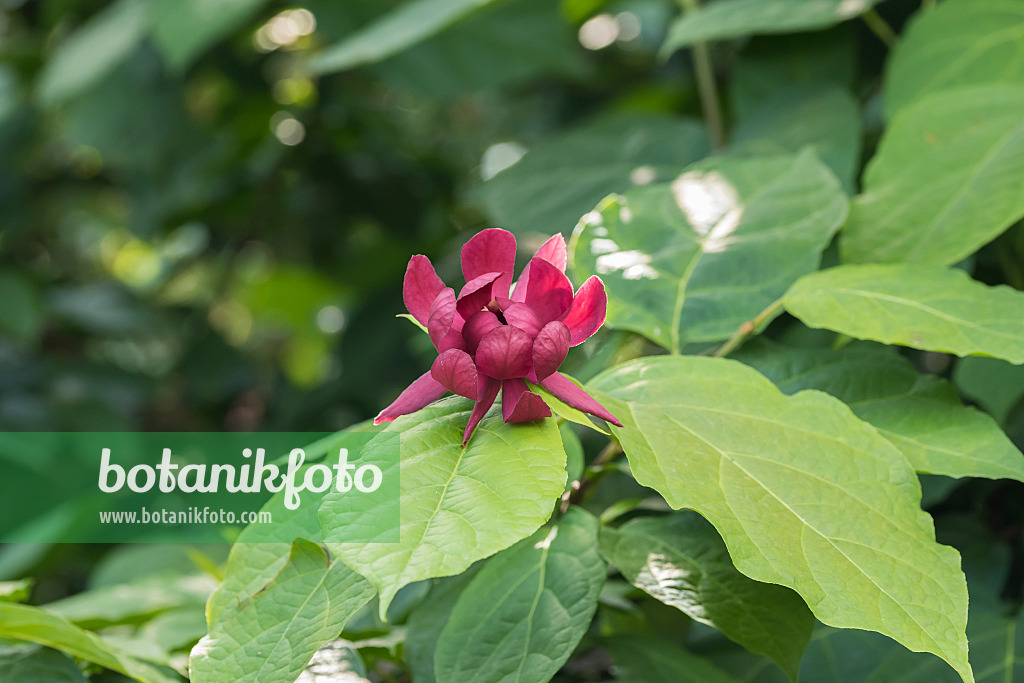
x=476, y=294
x=454, y=370
x=565, y=389
x=419, y=394
x=442, y=315
x=505, y=352
x=549, y=291
x=553, y=251
x=523, y=317
x=587, y=313
x=421, y=287
x=519, y=404
x=489, y=251
x=479, y=324
x=550, y=348
x=488, y=391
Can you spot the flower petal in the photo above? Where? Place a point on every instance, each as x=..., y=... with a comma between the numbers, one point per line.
x=488, y=391
x=477, y=293
x=519, y=404
x=421, y=287
x=442, y=315
x=565, y=389
x=489, y=251
x=554, y=252
x=587, y=313
x=454, y=370
x=421, y=393
x=504, y=353
x=548, y=291
x=522, y=316
x=550, y=347
x=479, y=324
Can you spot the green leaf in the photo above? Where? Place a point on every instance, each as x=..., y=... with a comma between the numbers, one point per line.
x=681, y=560
x=92, y=51
x=563, y=177
x=425, y=624
x=827, y=118
x=273, y=635
x=647, y=660
x=957, y=43
x=523, y=614
x=36, y=625
x=935, y=309
x=715, y=436
x=506, y=44
x=33, y=664
x=807, y=60
x=922, y=415
x=993, y=384
x=409, y=24
x=129, y=603
x=183, y=29
x=16, y=591
x=691, y=260
x=735, y=18
x=458, y=505
x=947, y=178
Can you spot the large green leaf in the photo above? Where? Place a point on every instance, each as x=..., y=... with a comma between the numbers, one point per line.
x=34, y=664
x=691, y=260
x=36, y=625
x=183, y=29
x=947, y=178
x=824, y=117
x=922, y=415
x=735, y=18
x=563, y=177
x=681, y=560
x=523, y=614
x=803, y=493
x=936, y=309
x=132, y=602
x=649, y=660
x=458, y=504
x=423, y=629
x=273, y=635
x=92, y=51
x=403, y=27
x=959, y=42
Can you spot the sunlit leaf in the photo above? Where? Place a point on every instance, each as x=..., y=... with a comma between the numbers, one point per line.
x=458, y=504
x=273, y=634
x=691, y=260
x=922, y=415
x=715, y=436
x=947, y=178
x=956, y=43
x=930, y=308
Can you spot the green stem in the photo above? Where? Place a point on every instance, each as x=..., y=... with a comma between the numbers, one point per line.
x=880, y=27
x=706, y=85
x=575, y=495
x=748, y=328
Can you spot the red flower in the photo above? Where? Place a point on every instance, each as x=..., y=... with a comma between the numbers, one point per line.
x=488, y=339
